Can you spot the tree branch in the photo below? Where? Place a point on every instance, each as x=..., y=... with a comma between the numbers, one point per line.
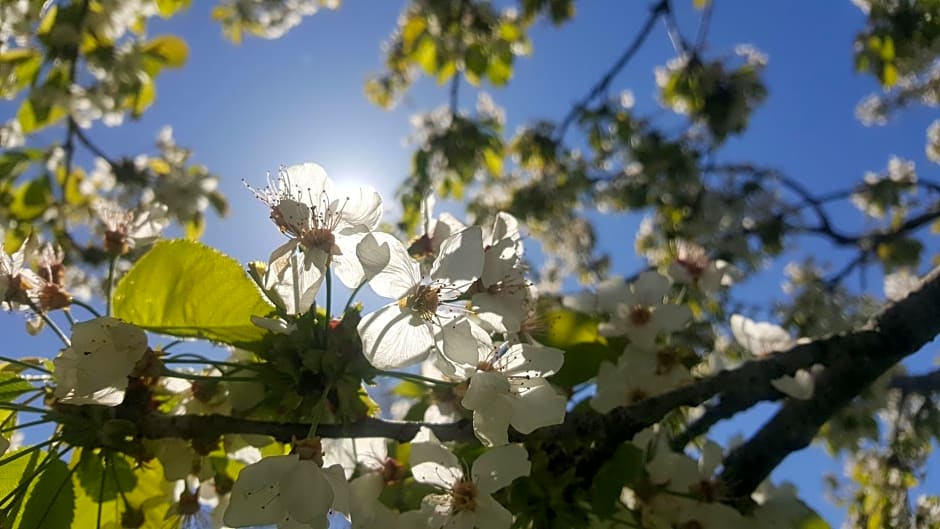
x=924, y=384
x=656, y=11
x=902, y=329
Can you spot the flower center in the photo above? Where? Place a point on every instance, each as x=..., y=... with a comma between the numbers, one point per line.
x=424, y=301
x=465, y=496
x=319, y=238
x=640, y=315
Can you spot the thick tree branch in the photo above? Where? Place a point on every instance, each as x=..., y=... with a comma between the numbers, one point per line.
x=902, y=329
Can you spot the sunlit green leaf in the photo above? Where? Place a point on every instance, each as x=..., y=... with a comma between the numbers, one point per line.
x=12, y=386
x=185, y=288
x=51, y=499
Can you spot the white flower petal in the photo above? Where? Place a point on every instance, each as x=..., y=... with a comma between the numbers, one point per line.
x=465, y=343
x=490, y=514
x=400, y=274
x=611, y=292
x=484, y=390
x=460, y=262
x=308, y=181
x=373, y=257
x=433, y=464
x=392, y=337
x=499, y=466
x=305, y=492
x=650, y=288
x=491, y=423
x=363, y=210
x=540, y=405
x=799, y=386
x=337, y=478
x=531, y=360
x=255, y=494
x=759, y=338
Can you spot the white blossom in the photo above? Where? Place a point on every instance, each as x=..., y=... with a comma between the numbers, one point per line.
x=324, y=224
x=507, y=384
x=94, y=369
x=639, y=373
x=288, y=491
x=403, y=332
x=465, y=499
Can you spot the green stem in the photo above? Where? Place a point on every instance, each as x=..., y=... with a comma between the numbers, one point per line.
x=174, y=343
x=86, y=306
x=412, y=377
x=52, y=325
x=20, y=407
x=68, y=316
x=6, y=429
x=109, y=286
x=295, y=275
x=197, y=359
x=10, y=417
x=352, y=296
x=329, y=307
x=193, y=376
x=25, y=364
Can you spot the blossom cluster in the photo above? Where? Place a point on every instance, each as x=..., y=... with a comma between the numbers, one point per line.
x=461, y=308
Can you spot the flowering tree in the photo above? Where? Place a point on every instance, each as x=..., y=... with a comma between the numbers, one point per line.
x=531, y=409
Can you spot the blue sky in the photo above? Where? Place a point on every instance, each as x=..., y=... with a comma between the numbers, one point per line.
x=247, y=109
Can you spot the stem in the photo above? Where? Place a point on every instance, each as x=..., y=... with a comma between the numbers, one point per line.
x=352, y=295
x=24, y=425
x=20, y=407
x=174, y=343
x=193, y=376
x=52, y=325
x=327, y=311
x=27, y=365
x=86, y=306
x=247, y=366
x=109, y=286
x=413, y=377
x=295, y=275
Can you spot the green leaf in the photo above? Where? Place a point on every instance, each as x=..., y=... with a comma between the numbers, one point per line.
x=117, y=475
x=410, y=390
x=30, y=199
x=144, y=97
x=184, y=288
x=16, y=161
x=624, y=467
x=425, y=54
x=168, y=8
x=33, y=116
x=169, y=50
x=151, y=494
x=15, y=475
x=12, y=386
x=51, y=500
x=576, y=334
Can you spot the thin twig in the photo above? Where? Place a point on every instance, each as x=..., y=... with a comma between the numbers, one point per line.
x=601, y=86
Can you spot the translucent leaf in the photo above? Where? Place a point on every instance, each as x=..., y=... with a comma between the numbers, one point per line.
x=12, y=386
x=51, y=499
x=184, y=288
x=171, y=50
